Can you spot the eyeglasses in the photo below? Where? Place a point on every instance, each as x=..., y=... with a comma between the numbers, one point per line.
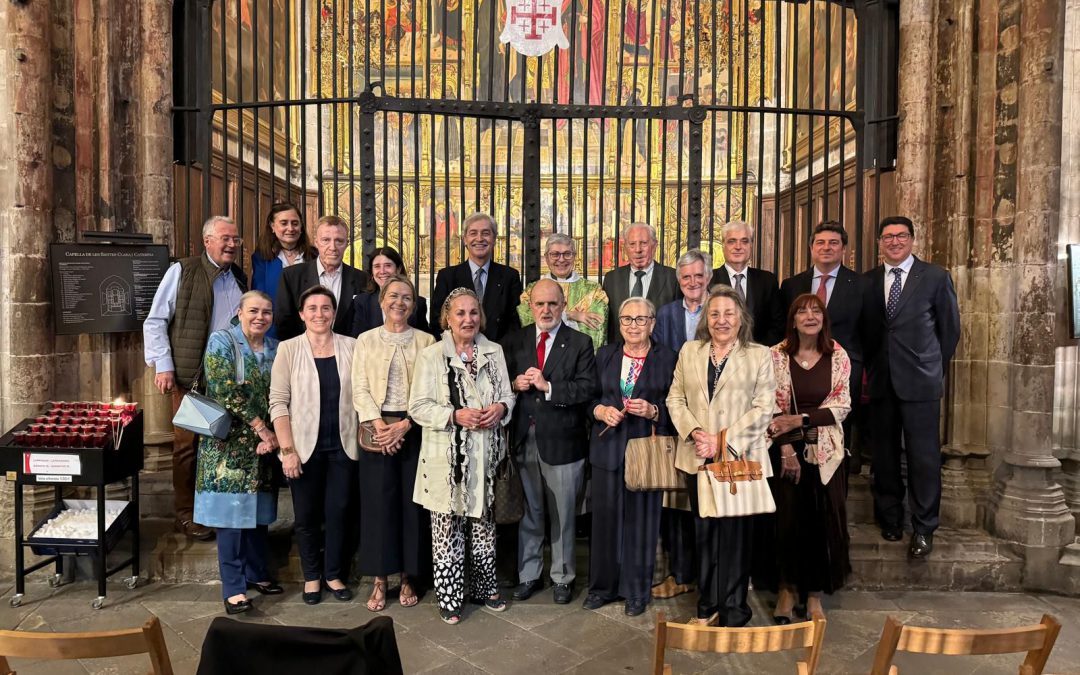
x=890, y=238
x=229, y=240
x=636, y=320
x=561, y=255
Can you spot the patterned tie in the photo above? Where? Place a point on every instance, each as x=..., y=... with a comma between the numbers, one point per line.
x=639, y=285
x=823, y=289
x=478, y=284
x=540, y=351
x=739, y=287
x=894, y=294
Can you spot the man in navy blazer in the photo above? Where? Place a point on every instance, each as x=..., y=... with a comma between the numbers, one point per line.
x=913, y=325
x=553, y=371
x=643, y=277
x=497, y=286
x=759, y=288
x=843, y=292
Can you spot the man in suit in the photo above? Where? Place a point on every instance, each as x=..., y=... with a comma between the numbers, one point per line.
x=553, y=372
x=197, y=296
x=759, y=288
x=642, y=278
x=344, y=281
x=843, y=292
x=497, y=286
x=912, y=328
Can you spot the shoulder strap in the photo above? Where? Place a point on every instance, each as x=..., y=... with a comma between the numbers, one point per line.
x=238, y=357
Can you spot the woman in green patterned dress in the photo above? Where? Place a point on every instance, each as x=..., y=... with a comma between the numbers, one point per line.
x=233, y=483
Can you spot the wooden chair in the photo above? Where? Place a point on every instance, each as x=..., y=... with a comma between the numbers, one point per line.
x=807, y=635
x=1036, y=640
x=62, y=646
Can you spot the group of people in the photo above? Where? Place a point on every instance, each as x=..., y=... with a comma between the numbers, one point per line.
x=398, y=431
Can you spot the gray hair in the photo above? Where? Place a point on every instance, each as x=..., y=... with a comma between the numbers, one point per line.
x=631, y=226
x=476, y=217
x=558, y=238
x=637, y=298
x=208, y=226
x=692, y=256
x=735, y=225
x=746, y=321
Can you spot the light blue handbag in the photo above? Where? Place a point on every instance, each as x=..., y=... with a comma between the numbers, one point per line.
x=203, y=415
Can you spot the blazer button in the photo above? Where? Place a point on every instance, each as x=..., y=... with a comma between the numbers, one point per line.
x=425, y=489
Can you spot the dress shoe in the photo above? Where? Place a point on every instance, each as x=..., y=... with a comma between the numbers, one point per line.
x=340, y=594
x=194, y=530
x=238, y=607
x=269, y=588
x=669, y=588
x=892, y=533
x=312, y=598
x=781, y=620
x=594, y=601
x=921, y=545
x=525, y=590
x=635, y=607
x=563, y=593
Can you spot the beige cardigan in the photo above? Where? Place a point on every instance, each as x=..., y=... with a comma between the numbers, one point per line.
x=742, y=403
x=294, y=391
x=371, y=369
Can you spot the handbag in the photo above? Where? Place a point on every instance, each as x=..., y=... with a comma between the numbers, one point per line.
x=203, y=415
x=650, y=464
x=807, y=435
x=509, y=494
x=732, y=487
x=366, y=435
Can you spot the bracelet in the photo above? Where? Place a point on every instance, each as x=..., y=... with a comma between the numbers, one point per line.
x=286, y=451
x=791, y=456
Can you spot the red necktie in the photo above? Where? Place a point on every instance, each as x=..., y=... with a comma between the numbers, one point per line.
x=540, y=350
x=823, y=290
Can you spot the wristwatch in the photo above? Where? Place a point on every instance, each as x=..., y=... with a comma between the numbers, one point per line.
x=805, y=420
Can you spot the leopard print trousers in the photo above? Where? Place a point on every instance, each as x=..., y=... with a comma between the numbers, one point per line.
x=449, y=551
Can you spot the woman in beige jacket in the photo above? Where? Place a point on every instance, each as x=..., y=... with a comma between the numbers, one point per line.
x=312, y=412
x=394, y=530
x=461, y=396
x=722, y=381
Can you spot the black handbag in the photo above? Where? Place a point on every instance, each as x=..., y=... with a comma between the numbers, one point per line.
x=807, y=435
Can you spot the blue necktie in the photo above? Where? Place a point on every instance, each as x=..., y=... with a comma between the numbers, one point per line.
x=894, y=294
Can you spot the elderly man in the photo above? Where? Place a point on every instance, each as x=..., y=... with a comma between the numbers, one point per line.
x=553, y=371
x=676, y=323
x=642, y=278
x=759, y=288
x=344, y=281
x=586, y=303
x=497, y=286
x=197, y=296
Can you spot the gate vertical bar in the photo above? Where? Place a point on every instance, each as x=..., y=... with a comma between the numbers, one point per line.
x=693, y=204
x=367, y=174
x=530, y=192
x=206, y=113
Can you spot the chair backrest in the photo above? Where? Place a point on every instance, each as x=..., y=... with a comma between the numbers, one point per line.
x=807, y=635
x=1037, y=640
x=60, y=646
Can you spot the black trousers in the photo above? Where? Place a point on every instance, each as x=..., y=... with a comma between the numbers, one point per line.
x=724, y=556
x=625, y=530
x=917, y=423
x=323, y=496
x=677, y=538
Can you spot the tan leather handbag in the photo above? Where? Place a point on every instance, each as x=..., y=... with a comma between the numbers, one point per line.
x=732, y=487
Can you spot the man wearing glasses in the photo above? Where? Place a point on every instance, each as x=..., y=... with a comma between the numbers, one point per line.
x=643, y=277
x=197, y=296
x=586, y=303
x=759, y=288
x=913, y=326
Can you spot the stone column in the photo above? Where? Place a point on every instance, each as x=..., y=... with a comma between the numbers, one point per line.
x=1028, y=506
x=914, y=152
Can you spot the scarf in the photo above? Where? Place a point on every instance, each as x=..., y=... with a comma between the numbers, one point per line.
x=829, y=450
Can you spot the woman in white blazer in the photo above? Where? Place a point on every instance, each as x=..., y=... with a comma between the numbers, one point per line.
x=312, y=411
x=722, y=381
x=462, y=399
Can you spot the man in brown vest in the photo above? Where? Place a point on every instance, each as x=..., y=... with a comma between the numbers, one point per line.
x=197, y=296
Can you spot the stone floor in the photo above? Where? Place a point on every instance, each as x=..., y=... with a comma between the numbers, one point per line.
x=538, y=636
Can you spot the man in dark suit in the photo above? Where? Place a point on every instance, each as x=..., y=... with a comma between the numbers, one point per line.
x=843, y=292
x=345, y=281
x=497, y=286
x=554, y=373
x=913, y=325
x=758, y=287
x=643, y=277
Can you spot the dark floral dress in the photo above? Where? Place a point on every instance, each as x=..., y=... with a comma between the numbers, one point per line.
x=234, y=485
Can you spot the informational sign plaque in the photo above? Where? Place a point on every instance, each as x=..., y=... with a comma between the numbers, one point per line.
x=104, y=288
x=1073, y=261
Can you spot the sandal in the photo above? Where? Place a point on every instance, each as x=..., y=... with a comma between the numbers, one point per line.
x=495, y=603
x=377, y=601
x=449, y=618
x=712, y=621
x=407, y=596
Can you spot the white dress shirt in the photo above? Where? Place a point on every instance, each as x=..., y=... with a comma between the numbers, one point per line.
x=547, y=352
x=646, y=280
x=285, y=259
x=473, y=267
x=829, y=285
x=157, y=351
x=331, y=280
x=905, y=269
x=745, y=280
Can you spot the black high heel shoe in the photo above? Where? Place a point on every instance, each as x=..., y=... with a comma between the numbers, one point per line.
x=269, y=588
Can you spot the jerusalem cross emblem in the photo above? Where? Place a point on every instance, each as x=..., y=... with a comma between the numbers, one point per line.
x=534, y=27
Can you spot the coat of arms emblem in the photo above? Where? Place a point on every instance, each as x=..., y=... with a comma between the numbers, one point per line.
x=534, y=27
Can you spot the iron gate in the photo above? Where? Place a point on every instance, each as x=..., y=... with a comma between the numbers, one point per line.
x=403, y=116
